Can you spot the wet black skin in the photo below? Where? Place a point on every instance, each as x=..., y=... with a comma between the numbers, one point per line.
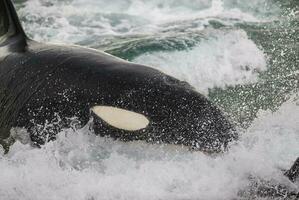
x=47, y=81
x=44, y=84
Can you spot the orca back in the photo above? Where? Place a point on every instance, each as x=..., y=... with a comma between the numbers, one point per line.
x=12, y=40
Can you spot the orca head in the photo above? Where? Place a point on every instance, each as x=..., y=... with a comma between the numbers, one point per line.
x=157, y=108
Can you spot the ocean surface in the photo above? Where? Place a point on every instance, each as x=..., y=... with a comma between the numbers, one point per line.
x=243, y=55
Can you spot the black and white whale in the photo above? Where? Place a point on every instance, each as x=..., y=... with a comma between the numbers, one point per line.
x=43, y=86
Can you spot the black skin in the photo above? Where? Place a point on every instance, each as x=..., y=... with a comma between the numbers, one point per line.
x=44, y=84
x=46, y=81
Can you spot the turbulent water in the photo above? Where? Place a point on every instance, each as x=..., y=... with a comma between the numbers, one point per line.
x=243, y=55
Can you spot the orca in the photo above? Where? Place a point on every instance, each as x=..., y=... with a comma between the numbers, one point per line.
x=43, y=87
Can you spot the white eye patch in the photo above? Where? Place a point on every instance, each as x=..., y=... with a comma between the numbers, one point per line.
x=120, y=118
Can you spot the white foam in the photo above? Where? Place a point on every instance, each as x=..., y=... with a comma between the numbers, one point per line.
x=226, y=58
x=77, y=20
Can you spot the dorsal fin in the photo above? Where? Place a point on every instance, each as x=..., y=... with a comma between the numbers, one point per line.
x=293, y=173
x=12, y=34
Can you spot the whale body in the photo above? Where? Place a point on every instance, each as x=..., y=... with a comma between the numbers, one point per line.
x=44, y=86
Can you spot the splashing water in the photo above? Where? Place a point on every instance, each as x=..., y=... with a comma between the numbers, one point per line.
x=79, y=165
x=217, y=62
x=243, y=55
